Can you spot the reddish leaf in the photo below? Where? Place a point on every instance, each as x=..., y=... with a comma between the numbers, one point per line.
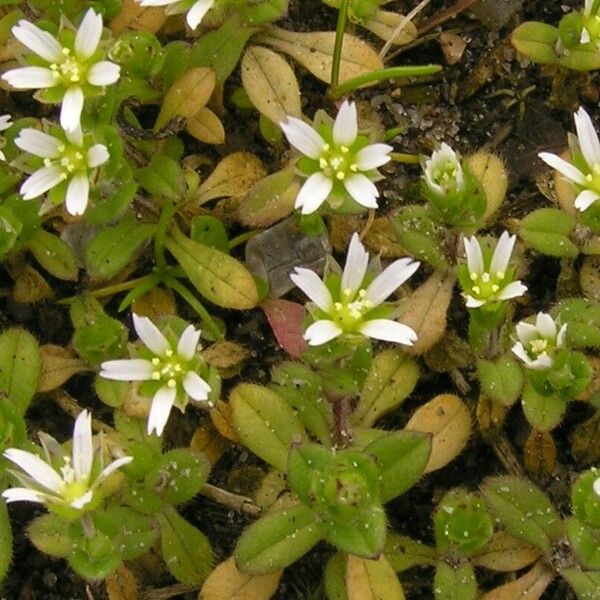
x=287, y=322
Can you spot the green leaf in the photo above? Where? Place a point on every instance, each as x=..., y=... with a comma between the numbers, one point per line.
x=306, y=462
x=20, y=367
x=524, y=510
x=536, y=40
x=50, y=534
x=547, y=230
x=585, y=541
x=277, y=540
x=391, y=379
x=543, y=412
x=334, y=579
x=501, y=380
x=401, y=457
x=217, y=276
x=54, y=255
x=455, y=582
x=585, y=584
x=163, y=177
x=404, y=553
x=112, y=199
x=583, y=322
x=95, y=557
x=186, y=551
x=265, y=423
x=364, y=535
x=113, y=248
x=6, y=541
x=210, y=231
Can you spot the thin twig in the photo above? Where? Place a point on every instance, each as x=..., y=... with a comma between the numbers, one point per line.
x=170, y=591
x=234, y=501
x=445, y=15
x=409, y=17
x=369, y=222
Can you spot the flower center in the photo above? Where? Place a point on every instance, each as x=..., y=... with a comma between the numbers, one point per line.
x=71, y=159
x=351, y=308
x=69, y=70
x=593, y=178
x=485, y=285
x=445, y=174
x=168, y=369
x=337, y=162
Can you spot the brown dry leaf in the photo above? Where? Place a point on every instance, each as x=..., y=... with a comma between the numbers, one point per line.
x=528, y=587
x=271, y=84
x=505, y=553
x=540, y=453
x=208, y=441
x=232, y=177
x=589, y=277
x=122, y=585
x=135, y=405
x=134, y=16
x=385, y=22
x=30, y=286
x=187, y=95
x=155, y=304
x=206, y=127
x=223, y=421
x=584, y=441
x=314, y=51
x=490, y=414
x=447, y=418
x=491, y=174
x=379, y=238
x=58, y=365
x=372, y=579
x=453, y=46
x=427, y=308
x=227, y=583
x=271, y=487
x=226, y=356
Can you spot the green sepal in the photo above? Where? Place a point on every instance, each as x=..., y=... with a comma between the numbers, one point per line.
x=547, y=230
x=54, y=255
x=93, y=557
x=454, y=582
x=501, y=380
x=537, y=41
x=277, y=540
x=524, y=510
x=404, y=553
x=50, y=534
x=186, y=550
x=585, y=542
x=401, y=458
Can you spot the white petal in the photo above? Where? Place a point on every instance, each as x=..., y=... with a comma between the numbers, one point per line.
x=83, y=450
x=149, y=333
x=373, y=156
x=197, y=12
x=362, y=189
x=75, y=136
x=146, y=3
x=526, y=332
x=38, y=143
x=36, y=468
x=132, y=369
x=72, y=105
x=321, y=332
x=88, y=34
x=597, y=486
x=313, y=192
x=345, y=127
x=519, y=351
x=472, y=302
x=160, y=409
x=585, y=36
x=188, y=342
x=103, y=73
x=38, y=40
x=30, y=78
x=546, y=326
x=390, y=279
x=389, y=331
x=80, y=502
x=502, y=253
x=570, y=171
x=195, y=387
x=97, y=155
x=474, y=255
x=310, y=283
x=562, y=334
x=588, y=138
x=355, y=268
x=5, y=122
x=24, y=494
x=114, y=465
x=512, y=290
x=76, y=199
x=585, y=199
x=41, y=181
x=303, y=137
x=543, y=361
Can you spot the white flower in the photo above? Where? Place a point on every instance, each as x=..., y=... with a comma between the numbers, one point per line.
x=443, y=172
x=67, y=162
x=537, y=342
x=73, y=484
x=585, y=173
x=489, y=281
x=355, y=306
x=591, y=23
x=339, y=162
x=172, y=367
x=597, y=486
x=196, y=9
x=4, y=125
x=71, y=71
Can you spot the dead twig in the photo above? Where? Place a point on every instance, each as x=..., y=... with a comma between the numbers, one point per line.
x=445, y=15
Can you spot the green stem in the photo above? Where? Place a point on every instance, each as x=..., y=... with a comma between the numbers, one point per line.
x=167, y=211
x=108, y=290
x=407, y=159
x=340, y=30
x=240, y=239
x=382, y=74
x=176, y=286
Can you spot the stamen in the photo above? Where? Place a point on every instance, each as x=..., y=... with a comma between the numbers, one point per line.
x=171, y=383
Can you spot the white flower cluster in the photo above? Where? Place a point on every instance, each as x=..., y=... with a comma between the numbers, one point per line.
x=537, y=343
x=196, y=9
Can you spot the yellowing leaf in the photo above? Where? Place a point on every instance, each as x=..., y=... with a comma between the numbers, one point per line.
x=206, y=127
x=447, y=418
x=232, y=177
x=155, y=304
x=314, y=51
x=271, y=84
x=134, y=16
x=207, y=440
x=122, y=585
x=58, y=365
x=227, y=583
x=187, y=95
x=491, y=174
x=385, y=22
x=372, y=580
x=505, y=553
x=528, y=587
x=226, y=356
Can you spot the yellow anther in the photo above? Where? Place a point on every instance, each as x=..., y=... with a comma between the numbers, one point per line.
x=340, y=175
x=344, y=149
x=156, y=375
x=485, y=277
x=476, y=289
x=338, y=306
x=61, y=148
x=500, y=275
x=47, y=162
x=495, y=287
x=169, y=352
x=171, y=383
x=474, y=276
x=322, y=163
x=66, y=51
x=354, y=168
x=156, y=361
x=326, y=147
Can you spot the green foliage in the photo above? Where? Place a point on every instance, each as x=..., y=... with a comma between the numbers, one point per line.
x=547, y=230
x=6, y=541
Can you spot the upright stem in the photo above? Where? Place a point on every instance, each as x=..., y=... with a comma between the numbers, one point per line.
x=341, y=434
x=166, y=213
x=340, y=30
